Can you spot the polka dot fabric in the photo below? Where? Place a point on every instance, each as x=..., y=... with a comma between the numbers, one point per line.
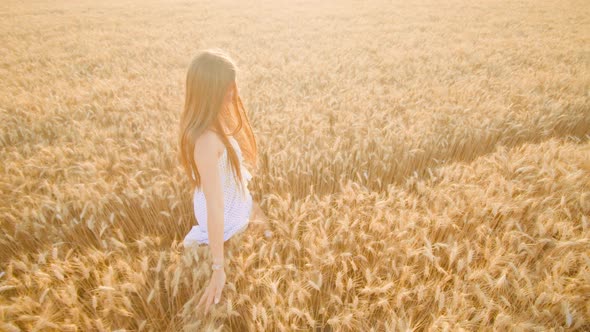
x=237, y=205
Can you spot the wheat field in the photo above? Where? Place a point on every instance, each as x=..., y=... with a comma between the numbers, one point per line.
x=424, y=165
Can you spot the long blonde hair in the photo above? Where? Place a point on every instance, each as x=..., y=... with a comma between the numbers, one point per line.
x=210, y=75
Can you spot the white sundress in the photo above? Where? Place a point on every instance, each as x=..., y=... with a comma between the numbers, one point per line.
x=237, y=207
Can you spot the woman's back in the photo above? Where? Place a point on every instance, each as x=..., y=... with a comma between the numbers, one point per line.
x=237, y=204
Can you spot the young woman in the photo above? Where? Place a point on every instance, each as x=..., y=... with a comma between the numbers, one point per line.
x=216, y=142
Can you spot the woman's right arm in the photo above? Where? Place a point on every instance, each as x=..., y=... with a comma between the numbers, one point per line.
x=208, y=146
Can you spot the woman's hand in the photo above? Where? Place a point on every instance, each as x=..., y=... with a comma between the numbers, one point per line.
x=214, y=289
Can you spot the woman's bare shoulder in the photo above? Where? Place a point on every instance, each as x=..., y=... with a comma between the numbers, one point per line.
x=209, y=143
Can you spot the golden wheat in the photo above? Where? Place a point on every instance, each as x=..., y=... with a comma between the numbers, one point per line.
x=424, y=166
